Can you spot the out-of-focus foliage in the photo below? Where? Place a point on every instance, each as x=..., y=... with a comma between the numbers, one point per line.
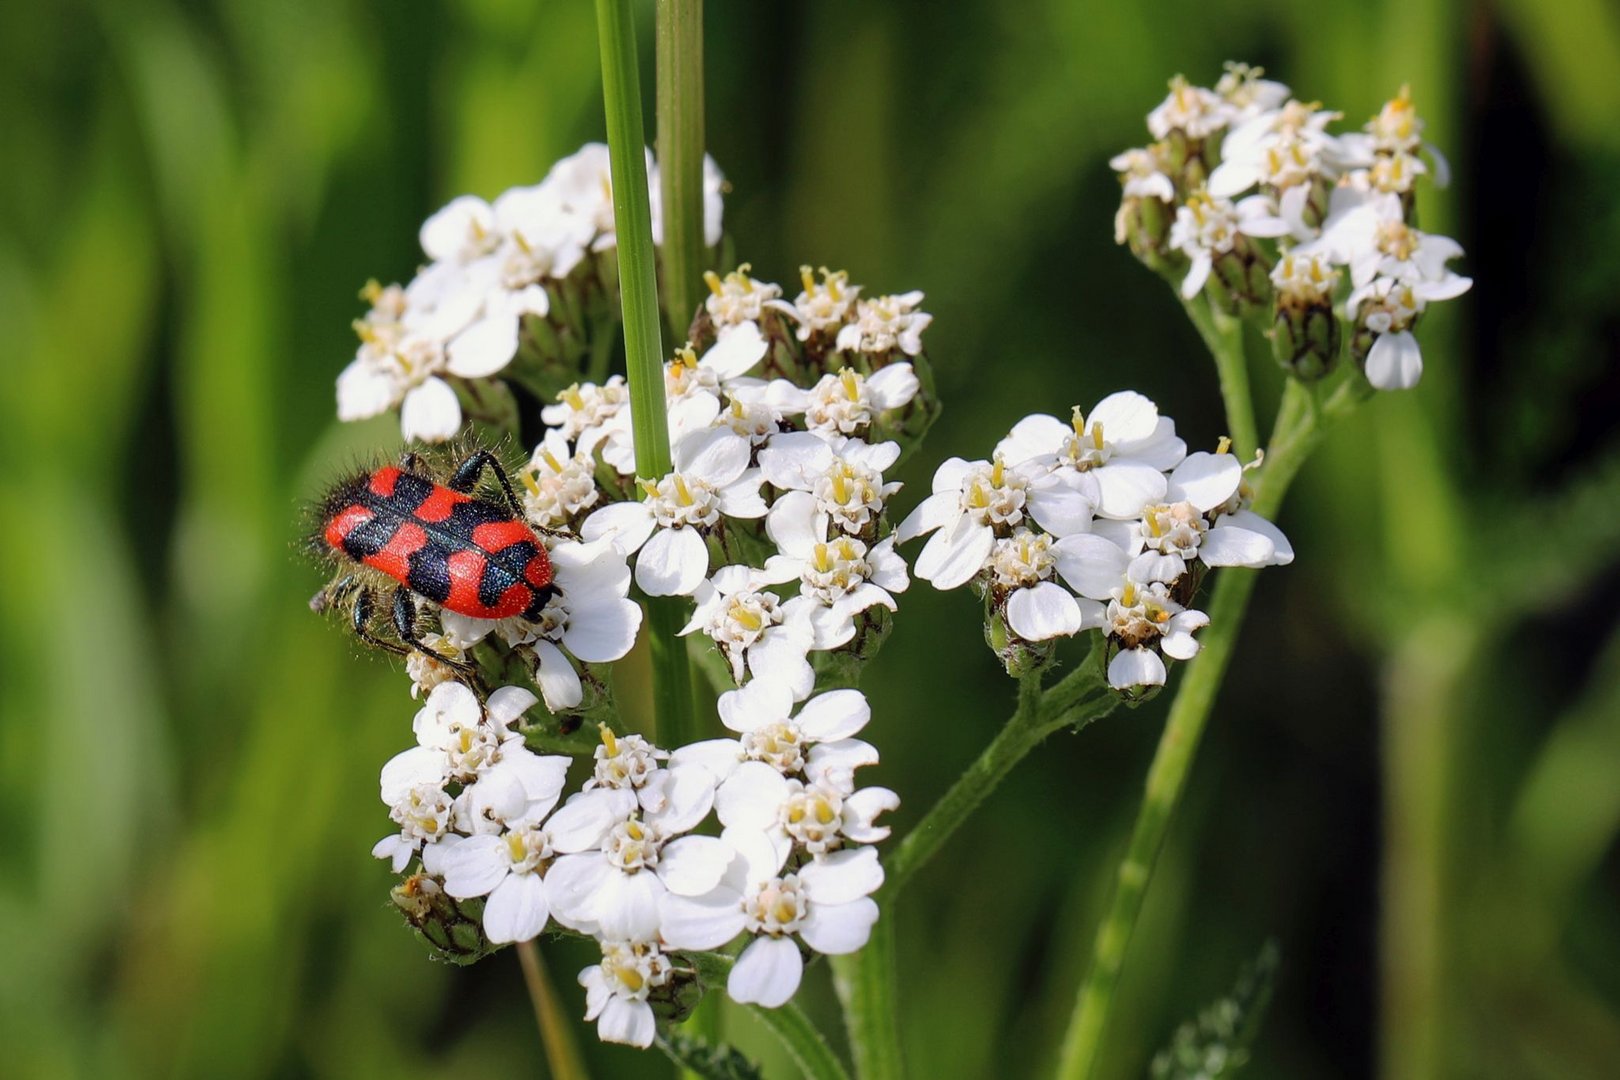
x=1411, y=778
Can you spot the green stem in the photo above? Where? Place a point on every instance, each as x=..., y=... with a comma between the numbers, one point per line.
x=1223, y=335
x=804, y=1043
x=679, y=47
x=643, y=347
x=1298, y=430
x=865, y=981
x=563, y=1059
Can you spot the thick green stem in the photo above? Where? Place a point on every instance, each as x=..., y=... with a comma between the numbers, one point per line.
x=643, y=345
x=804, y=1043
x=563, y=1059
x=1297, y=432
x=679, y=47
x=1223, y=335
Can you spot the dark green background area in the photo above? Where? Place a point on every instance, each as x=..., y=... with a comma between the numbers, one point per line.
x=1411, y=781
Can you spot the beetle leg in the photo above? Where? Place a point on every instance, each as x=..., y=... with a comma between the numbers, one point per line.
x=465, y=479
x=411, y=462
x=405, y=627
x=332, y=594
x=364, y=606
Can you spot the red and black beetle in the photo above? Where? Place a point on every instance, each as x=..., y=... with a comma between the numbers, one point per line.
x=439, y=541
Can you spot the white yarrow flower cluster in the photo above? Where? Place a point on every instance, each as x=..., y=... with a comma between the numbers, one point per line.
x=490, y=266
x=1102, y=522
x=1248, y=196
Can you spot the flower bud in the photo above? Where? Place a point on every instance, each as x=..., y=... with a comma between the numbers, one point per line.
x=453, y=929
x=1143, y=223
x=1018, y=657
x=1305, y=332
x=1240, y=278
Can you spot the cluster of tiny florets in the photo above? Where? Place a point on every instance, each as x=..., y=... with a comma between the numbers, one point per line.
x=1246, y=196
x=1101, y=522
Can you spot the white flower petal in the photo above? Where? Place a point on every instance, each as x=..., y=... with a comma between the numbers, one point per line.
x=701, y=922
x=627, y=1021
x=842, y=876
x=602, y=631
x=1125, y=487
x=627, y=524
x=839, y=929
x=1091, y=564
x=760, y=702
x=475, y=866
x=584, y=820
x=1229, y=545
x=751, y=797
x=836, y=714
x=673, y=562
x=483, y=348
x=1205, y=480
x=767, y=973
x=363, y=390
x=1135, y=667
x=431, y=412
x=1042, y=611
x=558, y=681
x=626, y=905
x=952, y=556
x=1395, y=362
x=517, y=909
x=692, y=865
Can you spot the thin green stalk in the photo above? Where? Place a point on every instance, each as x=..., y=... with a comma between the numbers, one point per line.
x=643, y=347
x=1223, y=335
x=563, y=1059
x=866, y=980
x=804, y=1043
x=866, y=986
x=679, y=48
x=1297, y=432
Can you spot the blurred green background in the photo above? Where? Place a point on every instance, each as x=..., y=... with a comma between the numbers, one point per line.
x=1412, y=780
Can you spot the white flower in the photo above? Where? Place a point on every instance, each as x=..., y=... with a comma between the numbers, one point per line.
x=839, y=481
x=884, y=324
x=1172, y=533
x=423, y=814
x=520, y=789
x=557, y=484
x=1390, y=146
x=1247, y=93
x=1206, y=227
x=839, y=575
x=589, y=615
x=584, y=409
x=818, y=815
x=826, y=903
x=677, y=797
x=693, y=386
x=737, y=298
x=1115, y=456
x=616, y=991
x=1305, y=279
x=666, y=531
x=462, y=231
x=974, y=502
x=1191, y=109
x=1369, y=234
x=615, y=890
x=456, y=738
x=1284, y=149
x=426, y=670
x=847, y=402
x=1140, y=617
x=817, y=745
x=512, y=867
x=759, y=634
x=820, y=309
x=397, y=365
x=1388, y=307
x=1037, y=608
x=1142, y=174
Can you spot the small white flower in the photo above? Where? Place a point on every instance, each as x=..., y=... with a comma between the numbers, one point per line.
x=820, y=309
x=1391, y=143
x=1145, y=621
x=1244, y=90
x=884, y=324
x=616, y=991
x=676, y=797
x=838, y=574
x=615, y=890
x=1037, y=608
x=1304, y=279
x=1388, y=307
x=1191, y=109
x=1206, y=227
x=759, y=634
x=423, y=814
x=846, y=402
x=462, y=231
x=456, y=738
x=1283, y=149
x=666, y=531
x=826, y=903
x=426, y=670
x=584, y=410
x=817, y=815
x=557, y=484
x=817, y=744
x=737, y=298
x=841, y=480
x=1115, y=456
x=1142, y=174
